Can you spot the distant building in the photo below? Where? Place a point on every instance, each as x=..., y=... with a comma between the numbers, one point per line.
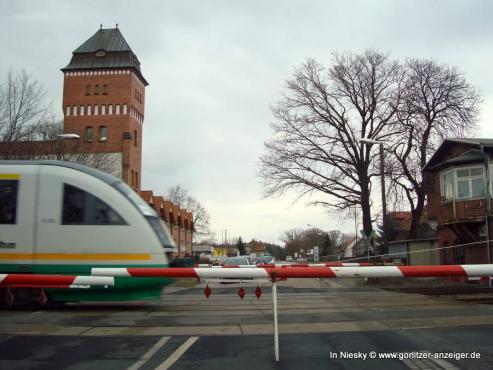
x=420, y=251
x=459, y=178
x=255, y=248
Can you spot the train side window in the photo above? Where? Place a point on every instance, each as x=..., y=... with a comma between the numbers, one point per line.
x=83, y=208
x=8, y=201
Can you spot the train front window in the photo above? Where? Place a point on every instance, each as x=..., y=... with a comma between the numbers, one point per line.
x=150, y=215
x=143, y=207
x=83, y=208
x=8, y=201
x=161, y=232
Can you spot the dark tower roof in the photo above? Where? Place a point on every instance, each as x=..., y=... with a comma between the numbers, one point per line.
x=106, y=49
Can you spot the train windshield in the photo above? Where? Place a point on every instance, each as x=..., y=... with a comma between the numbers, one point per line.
x=150, y=215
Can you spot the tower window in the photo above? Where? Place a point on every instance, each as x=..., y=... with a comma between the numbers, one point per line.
x=135, y=138
x=103, y=109
x=96, y=110
x=125, y=108
x=74, y=110
x=67, y=111
x=110, y=109
x=89, y=134
x=81, y=110
x=96, y=89
x=117, y=109
x=103, y=133
x=132, y=178
x=88, y=89
x=88, y=110
x=105, y=89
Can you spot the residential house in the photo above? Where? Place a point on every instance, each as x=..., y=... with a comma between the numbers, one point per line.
x=458, y=178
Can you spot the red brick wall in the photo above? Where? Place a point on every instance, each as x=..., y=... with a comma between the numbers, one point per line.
x=121, y=90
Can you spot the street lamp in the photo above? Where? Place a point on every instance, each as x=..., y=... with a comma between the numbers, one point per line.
x=58, y=143
x=382, y=180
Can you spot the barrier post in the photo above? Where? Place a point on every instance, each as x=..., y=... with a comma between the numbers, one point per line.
x=276, y=331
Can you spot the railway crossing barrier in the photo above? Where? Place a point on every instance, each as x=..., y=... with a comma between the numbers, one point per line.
x=276, y=273
x=16, y=281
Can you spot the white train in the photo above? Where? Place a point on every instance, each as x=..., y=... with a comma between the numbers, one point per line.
x=64, y=218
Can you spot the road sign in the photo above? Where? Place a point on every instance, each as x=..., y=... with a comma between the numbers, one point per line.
x=316, y=256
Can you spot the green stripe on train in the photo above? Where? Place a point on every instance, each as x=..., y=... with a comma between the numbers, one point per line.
x=126, y=288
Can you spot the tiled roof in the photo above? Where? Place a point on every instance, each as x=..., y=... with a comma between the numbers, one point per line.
x=147, y=196
x=475, y=143
x=471, y=156
x=403, y=219
x=110, y=39
x=117, y=53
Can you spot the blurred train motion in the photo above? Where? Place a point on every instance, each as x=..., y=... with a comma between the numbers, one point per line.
x=65, y=218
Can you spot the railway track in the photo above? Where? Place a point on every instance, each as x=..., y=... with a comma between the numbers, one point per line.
x=472, y=294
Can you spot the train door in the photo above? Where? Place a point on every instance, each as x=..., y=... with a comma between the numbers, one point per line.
x=17, y=209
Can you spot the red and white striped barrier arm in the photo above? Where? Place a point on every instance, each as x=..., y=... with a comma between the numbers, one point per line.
x=300, y=272
x=52, y=281
x=264, y=265
x=326, y=264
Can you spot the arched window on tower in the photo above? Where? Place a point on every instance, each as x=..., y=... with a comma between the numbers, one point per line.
x=74, y=110
x=67, y=111
x=125, y=109
x=110, y=109
x=96, y=110
x=88, y=110
x=135, y=138
x=81, y=110
x=103, y=109
x=117, y=109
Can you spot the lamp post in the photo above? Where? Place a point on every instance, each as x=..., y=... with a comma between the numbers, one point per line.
x=58, y=143
x=382, y=181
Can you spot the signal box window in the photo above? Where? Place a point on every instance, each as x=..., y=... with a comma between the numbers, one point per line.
x=83, y=208
x=88, y=89
x=8, y=201
x=105, y=89
x=96, y=89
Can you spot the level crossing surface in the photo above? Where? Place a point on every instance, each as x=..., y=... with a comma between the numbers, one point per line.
x=317, y=318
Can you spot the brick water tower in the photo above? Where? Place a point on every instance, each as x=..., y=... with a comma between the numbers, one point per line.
x=104, y=100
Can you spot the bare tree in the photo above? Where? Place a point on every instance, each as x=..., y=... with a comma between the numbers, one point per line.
x=200, y=217
x=314, y=148
x=23, y=106
x=438, y=102
x=292, y=240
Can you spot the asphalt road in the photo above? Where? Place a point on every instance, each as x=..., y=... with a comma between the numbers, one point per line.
x=320, y=322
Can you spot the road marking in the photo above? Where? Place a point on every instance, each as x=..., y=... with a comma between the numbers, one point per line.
x=177, y=354
x=151, y=352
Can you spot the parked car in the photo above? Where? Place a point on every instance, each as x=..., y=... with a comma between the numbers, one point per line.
x=265, y=260
x=239, y=261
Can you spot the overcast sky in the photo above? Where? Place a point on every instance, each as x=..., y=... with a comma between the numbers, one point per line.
x=214, y=68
